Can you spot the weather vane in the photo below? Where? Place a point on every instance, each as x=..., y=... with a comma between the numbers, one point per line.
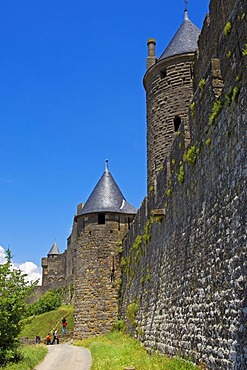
x=186, y=4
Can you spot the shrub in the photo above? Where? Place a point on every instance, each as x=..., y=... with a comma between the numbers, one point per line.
x=119, y=325
x=14, y=291
x=169, y=193
x=217, y=107
x=48, y=302
x=235, y=93
x=190, y=155
x=181, y=174
x=202, y=83
x=229, y=54
x=227, y=29
x=132, y=310
x=192, y=109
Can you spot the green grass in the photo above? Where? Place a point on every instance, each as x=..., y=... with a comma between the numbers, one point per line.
x=114, y=351
x=32, y=356
x=47, y=322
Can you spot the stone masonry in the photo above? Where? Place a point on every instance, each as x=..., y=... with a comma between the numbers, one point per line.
x=185, y=256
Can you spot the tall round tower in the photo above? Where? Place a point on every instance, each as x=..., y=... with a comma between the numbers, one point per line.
x=168, y=85
x=101, y=225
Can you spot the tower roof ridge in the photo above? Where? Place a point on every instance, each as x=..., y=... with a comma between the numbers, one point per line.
x=54, y=249
x=184, y=40
x=107, y=197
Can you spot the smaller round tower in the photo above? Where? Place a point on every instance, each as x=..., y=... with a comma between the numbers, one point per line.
x=102, y=223
x=168, y=85
x=52, y=265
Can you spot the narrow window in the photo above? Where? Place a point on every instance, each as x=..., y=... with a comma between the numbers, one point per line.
x=191, y=72
x=177, y=122
x=119, y=223
x=101, y=218
x=163, y=74
x=129, y=222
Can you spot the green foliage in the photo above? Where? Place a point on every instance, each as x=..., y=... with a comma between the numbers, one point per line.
x=48, y=302
x=169, y=193
x=115, y=351
x=151, y=188
x=30, y=357
x=190, y=155
x=158, y=219
x=243, y=16
x=119, y=246
x=132, y=310
x=229, y=54
x=14, y=291
x=202, y=83
x=228, y=97
x=119, y=325
x=173, y=161
x=227, y=29
x=181, y=174
x=192, y=109
x=217, y=107
x=137, y=243
x=232, y=95
x=208, y=141
x=123, y=263
x=244, y=50
x=235, y=93
x=147, y=230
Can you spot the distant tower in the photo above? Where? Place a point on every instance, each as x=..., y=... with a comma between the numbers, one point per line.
x=101, y=225
x=168, y=85
x=52, y=265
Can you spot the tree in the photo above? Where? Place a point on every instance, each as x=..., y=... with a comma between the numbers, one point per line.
x=14, y=291
x=48, y=302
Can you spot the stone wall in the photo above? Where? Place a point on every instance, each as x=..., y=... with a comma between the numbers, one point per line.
x=185, y=255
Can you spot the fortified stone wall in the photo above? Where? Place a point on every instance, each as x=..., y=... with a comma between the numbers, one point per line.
x=185, y=256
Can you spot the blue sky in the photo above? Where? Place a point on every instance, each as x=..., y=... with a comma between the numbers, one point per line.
x=71, y=96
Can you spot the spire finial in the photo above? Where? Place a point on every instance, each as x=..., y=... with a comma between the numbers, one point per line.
x=186, y=9
x=106, y=165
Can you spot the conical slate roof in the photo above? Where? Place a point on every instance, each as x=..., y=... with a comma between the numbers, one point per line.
x=107, y=197
x=54, y=249
x=184, y=40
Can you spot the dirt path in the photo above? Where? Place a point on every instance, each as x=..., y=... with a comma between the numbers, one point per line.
x=66, y=357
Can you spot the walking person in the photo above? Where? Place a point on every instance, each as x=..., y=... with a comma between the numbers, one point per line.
x=64, y=324
x=55, y=337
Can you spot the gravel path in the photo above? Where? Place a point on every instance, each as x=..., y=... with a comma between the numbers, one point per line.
x=66, y=357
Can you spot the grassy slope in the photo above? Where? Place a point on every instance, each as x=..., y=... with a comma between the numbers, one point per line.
x=47, y=322
x=112, y=351
x=115, y=351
